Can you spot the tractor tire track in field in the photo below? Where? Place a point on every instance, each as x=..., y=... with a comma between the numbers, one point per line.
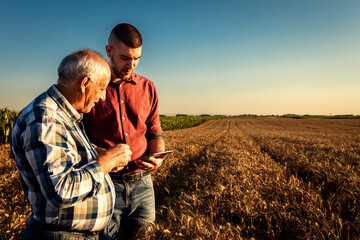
x=191, y=148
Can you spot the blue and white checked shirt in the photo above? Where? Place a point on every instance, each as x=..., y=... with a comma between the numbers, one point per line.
x=64, y=184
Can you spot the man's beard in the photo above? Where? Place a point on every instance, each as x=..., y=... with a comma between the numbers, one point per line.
x=118, y=74
x=121, y=76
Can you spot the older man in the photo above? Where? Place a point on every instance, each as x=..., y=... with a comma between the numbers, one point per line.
x=65, y=179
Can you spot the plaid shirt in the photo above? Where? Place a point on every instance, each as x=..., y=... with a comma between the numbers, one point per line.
x=64, y=184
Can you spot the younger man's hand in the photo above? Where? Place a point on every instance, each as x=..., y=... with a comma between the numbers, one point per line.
x=149, y=164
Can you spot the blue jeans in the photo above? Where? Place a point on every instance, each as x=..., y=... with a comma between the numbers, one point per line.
x=134, y=208
x=39, y=231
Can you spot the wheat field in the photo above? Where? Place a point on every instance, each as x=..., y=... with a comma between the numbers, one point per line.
x=242, y=178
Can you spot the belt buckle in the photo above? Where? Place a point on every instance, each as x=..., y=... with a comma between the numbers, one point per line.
x=123, y=177
x=133, y=176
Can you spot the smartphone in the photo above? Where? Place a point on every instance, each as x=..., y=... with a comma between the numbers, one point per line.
x=158, y=155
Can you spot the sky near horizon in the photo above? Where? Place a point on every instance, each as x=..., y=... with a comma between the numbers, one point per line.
x=205, y=57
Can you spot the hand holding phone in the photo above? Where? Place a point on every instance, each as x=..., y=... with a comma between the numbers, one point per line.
x=157, y=155
x=152, y=161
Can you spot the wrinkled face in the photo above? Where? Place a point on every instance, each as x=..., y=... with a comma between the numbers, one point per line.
x=123, y=59
x=96, y=90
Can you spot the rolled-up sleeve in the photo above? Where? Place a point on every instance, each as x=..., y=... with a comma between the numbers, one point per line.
x=153, y=121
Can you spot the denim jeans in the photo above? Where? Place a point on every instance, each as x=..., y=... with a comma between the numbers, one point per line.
x=134, y=208
x=38, y=231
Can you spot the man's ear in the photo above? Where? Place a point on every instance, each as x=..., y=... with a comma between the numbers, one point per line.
x=108, y=49
x=84, y=83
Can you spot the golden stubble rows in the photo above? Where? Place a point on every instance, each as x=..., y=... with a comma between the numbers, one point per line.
x=14, y=207
x=262, y=179
x=246, y=178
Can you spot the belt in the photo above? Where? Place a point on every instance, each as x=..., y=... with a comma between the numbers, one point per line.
x=39, y=226
x=129, y=177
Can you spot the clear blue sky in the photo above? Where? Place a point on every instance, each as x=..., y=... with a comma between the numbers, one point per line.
x=215, y=57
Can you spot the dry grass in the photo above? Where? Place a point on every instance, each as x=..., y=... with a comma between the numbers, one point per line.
x=267, y=178
x=14, y=207
x=260, y=178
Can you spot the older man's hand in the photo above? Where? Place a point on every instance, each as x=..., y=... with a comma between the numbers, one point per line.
x=115, y=157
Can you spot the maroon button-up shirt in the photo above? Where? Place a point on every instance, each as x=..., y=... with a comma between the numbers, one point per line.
x=130, y=114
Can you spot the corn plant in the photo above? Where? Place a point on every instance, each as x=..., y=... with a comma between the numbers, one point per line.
x=7, y=119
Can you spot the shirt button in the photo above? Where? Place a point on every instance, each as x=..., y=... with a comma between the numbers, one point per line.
x=126, y=134
x=123, y=118
x=122, y=101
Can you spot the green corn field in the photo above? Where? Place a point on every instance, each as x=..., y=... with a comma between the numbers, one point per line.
x=7, y=119
x=182, y=122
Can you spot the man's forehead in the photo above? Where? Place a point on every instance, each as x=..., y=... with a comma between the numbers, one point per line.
x=129, y=52
x=118, y=44
x=104, y=81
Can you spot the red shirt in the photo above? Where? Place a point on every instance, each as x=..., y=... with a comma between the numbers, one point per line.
x=130, y=114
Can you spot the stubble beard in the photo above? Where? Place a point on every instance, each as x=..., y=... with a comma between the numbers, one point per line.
x=122, y=76
x=119, y=75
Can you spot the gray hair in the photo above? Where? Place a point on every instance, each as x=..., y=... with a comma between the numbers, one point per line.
x=78, y=65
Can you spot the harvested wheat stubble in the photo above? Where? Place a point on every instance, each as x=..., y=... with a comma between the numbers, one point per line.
x=226, y=180
x=250, y=178
x=14, y=207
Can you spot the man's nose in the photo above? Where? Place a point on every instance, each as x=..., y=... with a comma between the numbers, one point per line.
x=131, y=63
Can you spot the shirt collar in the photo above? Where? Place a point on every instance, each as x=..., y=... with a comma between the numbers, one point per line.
x=64, y=104
x=132, y=80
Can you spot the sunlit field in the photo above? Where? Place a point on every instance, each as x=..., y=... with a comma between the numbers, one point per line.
x=242, y=178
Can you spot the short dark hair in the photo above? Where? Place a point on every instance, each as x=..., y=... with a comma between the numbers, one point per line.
x=126, y=33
